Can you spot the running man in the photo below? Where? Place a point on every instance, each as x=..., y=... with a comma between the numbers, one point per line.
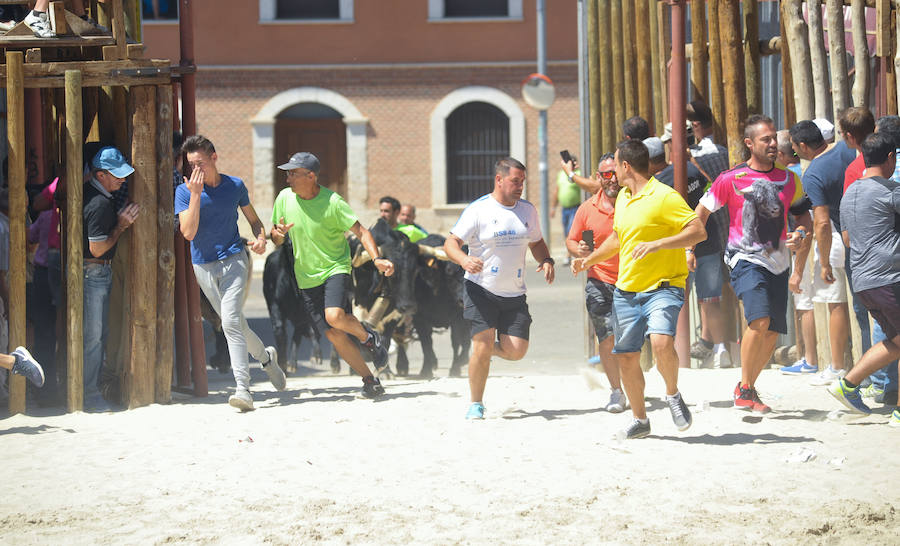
x=652, y=227
x=759, y=194
x=316, y=219
x=499, y=228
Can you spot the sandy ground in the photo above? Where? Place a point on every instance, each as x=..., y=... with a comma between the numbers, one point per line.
x=316, y=464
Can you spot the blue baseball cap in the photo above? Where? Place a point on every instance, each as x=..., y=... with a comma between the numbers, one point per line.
x=110, y=159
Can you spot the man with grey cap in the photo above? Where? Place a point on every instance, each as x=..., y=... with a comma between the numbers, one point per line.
x=316, y=219
x=207, y=205
x=102, y=227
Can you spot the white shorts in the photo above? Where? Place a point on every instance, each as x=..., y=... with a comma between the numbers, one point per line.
x=814, y=290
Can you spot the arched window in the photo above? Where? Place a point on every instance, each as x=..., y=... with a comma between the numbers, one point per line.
x=477, y=136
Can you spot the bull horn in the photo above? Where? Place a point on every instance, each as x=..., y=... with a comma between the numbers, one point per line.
x=433, y=252
x=362, y=256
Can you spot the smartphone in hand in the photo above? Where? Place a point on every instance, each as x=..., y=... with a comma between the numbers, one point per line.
x=588, y=237
x=566, y=156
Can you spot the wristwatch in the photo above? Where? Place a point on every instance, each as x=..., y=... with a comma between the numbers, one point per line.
x=550, y=261
x=570, y=175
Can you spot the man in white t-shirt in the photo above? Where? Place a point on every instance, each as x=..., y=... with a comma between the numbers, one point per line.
x=499, y=228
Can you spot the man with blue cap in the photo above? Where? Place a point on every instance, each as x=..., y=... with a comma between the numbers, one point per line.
x=103, y=225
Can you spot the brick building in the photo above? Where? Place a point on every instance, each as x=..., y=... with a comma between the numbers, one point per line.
x=409, y=98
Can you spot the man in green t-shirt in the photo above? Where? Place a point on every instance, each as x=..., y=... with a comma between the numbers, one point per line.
x=316, y=218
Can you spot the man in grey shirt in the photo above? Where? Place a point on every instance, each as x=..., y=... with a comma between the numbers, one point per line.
x=870, y=220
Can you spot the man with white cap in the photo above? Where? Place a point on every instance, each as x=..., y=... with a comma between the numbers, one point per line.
x=316, y=219
x=207, y=205
x=102, y=227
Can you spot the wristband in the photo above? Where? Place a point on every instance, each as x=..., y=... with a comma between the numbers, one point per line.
x=550, y=261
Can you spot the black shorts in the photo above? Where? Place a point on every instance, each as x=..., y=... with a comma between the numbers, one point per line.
x=487, y=310
x=335, y=292
x=883, y=303
x=763, y=293
x=598, y=298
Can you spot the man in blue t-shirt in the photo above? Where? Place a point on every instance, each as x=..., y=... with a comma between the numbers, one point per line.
x=823, y=181
x=207, y=205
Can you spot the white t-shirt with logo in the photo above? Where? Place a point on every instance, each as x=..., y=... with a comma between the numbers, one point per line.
x=500, y=236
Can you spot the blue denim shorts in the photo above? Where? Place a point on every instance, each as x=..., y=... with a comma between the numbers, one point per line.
x=636, y=315
x=708, y=277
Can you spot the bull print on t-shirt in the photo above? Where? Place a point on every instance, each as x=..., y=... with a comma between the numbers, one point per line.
x=762, y=216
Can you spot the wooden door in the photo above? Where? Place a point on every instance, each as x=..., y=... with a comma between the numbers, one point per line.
x=325, y=138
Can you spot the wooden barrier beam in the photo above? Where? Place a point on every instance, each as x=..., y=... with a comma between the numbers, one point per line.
x=165, y=249
x=862, y=76
x=595, y=88
x=716, y=91
x=735, y=88
x=801, y=64
x=618, y=70
x=74, y=245
x=659, y=96
x=644, y=85
x=140, y=374
x=15, y=140
x=699, y=52
x=629, y=59
x=838, y=57
x=751, y=56
x=819, y=60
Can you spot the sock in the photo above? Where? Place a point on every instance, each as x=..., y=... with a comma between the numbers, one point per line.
x=707, y=344
x=720, y=348
x=674, y=396
x=849, y=384
x=37, y=13
x=644, y=421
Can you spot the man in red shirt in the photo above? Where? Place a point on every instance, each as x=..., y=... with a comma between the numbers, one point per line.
x=596, y=215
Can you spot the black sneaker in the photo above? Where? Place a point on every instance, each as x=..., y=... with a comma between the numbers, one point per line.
x=376, y=345
x=28, y=367
x=372, y=387
x=681, y=415
x=637, y=429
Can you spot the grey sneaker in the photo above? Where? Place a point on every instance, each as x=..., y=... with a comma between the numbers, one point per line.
x=617, y=401
x=681, y=415
x=700, y=351
x=39, y=24
x=241, y=400
x=28, y=367
x=273, y=370
x=636, y=430
x=376, y=344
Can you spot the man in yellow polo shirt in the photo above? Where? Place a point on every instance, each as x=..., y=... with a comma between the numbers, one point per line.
x=652, y=227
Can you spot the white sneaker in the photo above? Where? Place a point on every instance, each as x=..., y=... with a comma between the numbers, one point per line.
x=273, y=370
x=241, y=400
x=722, y=360
x=827, y=376
x=39, y=25
x=617, y=401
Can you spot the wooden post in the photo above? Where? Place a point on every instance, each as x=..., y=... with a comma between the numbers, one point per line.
x=133, y=20
x=751, y=56
x=629, y=59
x=735, y=89
x=182, y=322
x=604, y=48
x=861, y=76
x=15, y=140
x=801, y=64
x=140, y=376
x=594, y=88
x=664, y=37
x=74, y=246
x=699, y=52
x=618, y=69
x=891, y=82
x=717, y=90
x=895, y=90
x=818, y=60
x=790, y=109
x=644, y=78
x=118, y=29
x=658, y=84
x=838, y=56
x=165, y=276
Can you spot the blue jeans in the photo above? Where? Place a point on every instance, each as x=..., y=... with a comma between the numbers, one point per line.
x=97, y=281
x=568, y=216
x=885, y=378
x=639, y=314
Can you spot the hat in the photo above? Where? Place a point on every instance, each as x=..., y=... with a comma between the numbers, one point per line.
x=654, y=146
x=302, y=160
x=667, y=131
x=826, y=127
x=110, y=159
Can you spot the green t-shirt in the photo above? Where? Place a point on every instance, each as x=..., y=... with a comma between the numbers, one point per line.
x=412, y=231
x=320, y=248
x=569, y=194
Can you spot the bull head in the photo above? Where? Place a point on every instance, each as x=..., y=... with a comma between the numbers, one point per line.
x=433, y=252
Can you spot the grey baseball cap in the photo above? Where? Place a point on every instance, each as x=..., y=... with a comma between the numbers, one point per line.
x=302, y=160
x=654, y=146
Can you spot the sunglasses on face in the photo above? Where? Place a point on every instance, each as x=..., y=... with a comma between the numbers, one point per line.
x=606, y=175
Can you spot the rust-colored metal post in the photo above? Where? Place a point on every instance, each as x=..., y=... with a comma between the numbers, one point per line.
x=677, y=100
x=188, y=87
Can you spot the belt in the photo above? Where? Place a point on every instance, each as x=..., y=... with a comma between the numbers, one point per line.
x=97, y=261
x=665, y=284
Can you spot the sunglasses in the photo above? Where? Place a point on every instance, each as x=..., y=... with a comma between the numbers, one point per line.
x=606, y=175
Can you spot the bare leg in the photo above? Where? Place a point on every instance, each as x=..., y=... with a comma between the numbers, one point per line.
x=343, y=324
x=510, y=347
x=756, y=350
x=480, y=362
x=874, y=359
x=683, y=335
x=711, y=327
x=42, y=5
x=633, y=381
x=838, y=332
x=338, y=318
x=7, y=361
x=666, y=360
x=808, y=330
x=610, y=363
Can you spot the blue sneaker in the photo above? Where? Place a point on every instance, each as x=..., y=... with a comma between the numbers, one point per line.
x=849, y=397
x=800, y=367
x=476, y=411
x=28, y=367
